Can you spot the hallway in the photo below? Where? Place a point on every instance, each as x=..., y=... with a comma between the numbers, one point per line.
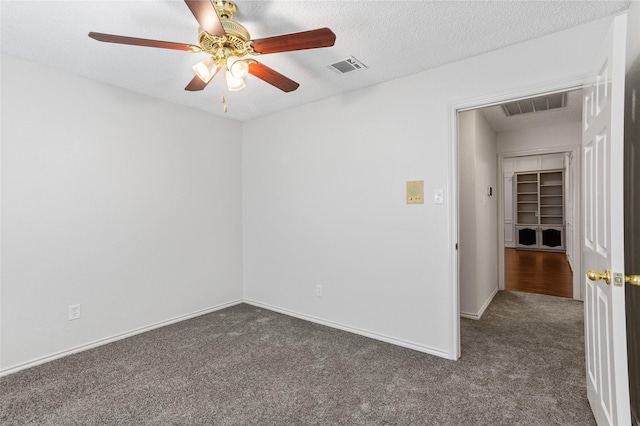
x=538, y=272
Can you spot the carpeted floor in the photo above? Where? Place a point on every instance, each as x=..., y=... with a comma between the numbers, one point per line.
x=522, y=363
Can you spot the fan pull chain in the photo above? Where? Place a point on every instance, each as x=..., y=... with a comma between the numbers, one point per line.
x=224, y=105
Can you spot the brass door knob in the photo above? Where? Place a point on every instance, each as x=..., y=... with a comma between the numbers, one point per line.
x=594, y=275
x=633, y=279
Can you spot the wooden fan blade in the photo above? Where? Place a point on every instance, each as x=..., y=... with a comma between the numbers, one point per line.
x=272, y=77
x=110, y=38
x=197, y=84
x=207, y=17
x=313, y=39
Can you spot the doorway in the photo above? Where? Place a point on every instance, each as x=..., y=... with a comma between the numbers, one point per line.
x=494, y=143
x=620, y=399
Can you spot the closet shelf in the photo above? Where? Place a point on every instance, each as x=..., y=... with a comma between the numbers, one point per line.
x=539, y=214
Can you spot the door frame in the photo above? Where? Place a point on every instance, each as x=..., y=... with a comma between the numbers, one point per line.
x=562, y=85
x=576, y=209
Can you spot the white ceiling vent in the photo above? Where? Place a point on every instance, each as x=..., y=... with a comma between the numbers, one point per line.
x=542, y=103
x=346, y=65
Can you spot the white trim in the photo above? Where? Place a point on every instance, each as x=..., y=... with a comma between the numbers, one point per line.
x=454, y=267
x=354, y=330
x=482, y=309
x=500, y=185
x=540, y=151
x=114, y=338
x=548, y=88
x=101, y=342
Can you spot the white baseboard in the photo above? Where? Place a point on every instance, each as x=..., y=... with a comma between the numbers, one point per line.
x=114, y=338
x=354, y=330
x=486, y=304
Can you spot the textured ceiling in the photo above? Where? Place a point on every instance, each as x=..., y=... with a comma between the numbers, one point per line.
x=392, y=38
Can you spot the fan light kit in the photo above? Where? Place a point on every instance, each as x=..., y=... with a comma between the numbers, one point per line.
x=227, y=43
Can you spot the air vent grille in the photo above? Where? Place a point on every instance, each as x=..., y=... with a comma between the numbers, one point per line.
x=542, y=103
x=346, y=65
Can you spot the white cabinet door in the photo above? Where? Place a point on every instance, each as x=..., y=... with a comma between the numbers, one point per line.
x=509, y=240
x=508, y=198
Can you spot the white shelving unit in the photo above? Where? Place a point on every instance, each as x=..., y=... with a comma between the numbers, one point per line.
x=540, y=210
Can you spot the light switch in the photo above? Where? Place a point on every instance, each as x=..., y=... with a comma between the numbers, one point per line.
x=415, y=192
x=438, y=196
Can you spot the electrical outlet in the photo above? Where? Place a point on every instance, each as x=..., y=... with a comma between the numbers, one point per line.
x=319, y=290
x=74, y=312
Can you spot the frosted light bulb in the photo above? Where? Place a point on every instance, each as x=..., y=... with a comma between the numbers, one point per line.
x=237, y=67
x=205, y=69
x=233, y=83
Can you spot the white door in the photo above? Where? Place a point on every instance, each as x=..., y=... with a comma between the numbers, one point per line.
x=603, y=242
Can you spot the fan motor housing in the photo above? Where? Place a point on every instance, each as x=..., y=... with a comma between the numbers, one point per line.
x=235, y=40
x=236, y=36
x=232, y=28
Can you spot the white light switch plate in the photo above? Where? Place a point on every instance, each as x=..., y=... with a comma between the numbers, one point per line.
x=438, y=196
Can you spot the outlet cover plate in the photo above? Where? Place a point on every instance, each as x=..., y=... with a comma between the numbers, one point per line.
x=74, y=312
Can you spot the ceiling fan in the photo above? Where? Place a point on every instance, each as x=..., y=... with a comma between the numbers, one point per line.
x=227, y=42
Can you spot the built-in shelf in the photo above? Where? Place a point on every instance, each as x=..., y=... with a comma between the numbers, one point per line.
x=540, y=210
x=528, y=165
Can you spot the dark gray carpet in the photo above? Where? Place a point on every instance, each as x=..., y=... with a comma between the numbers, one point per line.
x=522, y=364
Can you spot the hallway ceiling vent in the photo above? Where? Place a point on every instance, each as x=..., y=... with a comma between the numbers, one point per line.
x=542, y=103
x=347, y=65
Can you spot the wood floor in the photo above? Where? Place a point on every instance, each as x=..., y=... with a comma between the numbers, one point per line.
x=537, y=272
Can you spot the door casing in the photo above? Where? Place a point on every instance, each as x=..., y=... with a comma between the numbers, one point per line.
x=565, y=85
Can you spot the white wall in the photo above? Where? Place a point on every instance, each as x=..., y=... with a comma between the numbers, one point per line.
x=539, y=138
x=132, y=207
x=122, y=203
x=324, y=194
x=478, y=218
x=468, y=264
